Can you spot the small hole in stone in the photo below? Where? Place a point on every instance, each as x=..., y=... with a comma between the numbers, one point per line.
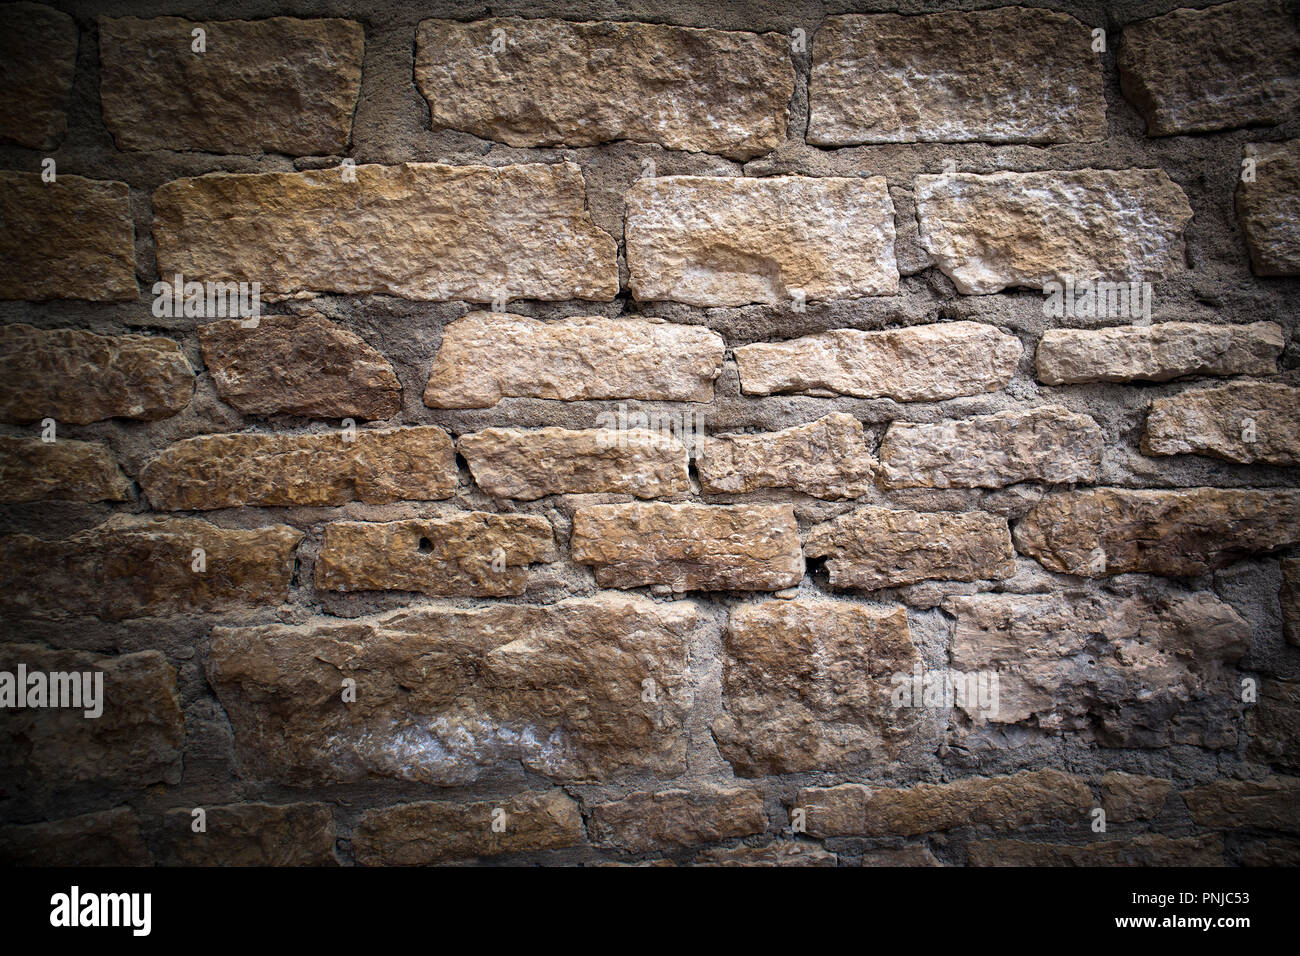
x=425, y=545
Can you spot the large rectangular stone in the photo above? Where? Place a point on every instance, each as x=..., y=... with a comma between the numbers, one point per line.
x=69, y=239
x=1048, y=444
x=134, y=566
x=1221, y=67
x=1246, y=422
x=689, y=547
x=488, y=356
x=471, y=553
x=134, y=742
x=807, y=686
x=298, y=365
x=727, y=241
x=586, y=689
x=279, y=85
x=419, y=834
x=79, y=377
x=1157, y=353
x=476, y=233
x=827, y=458
x=544, y=82
x=1176, y=532
x=874, y=548
x=1010, y=75
x=38, y=58
x=1144, y=671
x=1268, y=207
x=252, y=834
x=988, y=232
x=529, y=464
x=676, y=818
x=1002, y=803
x=63, y=470
x=106, y=838
x=1149, y=849
x=1272, y=803
x=377, y=466
x=921, y=363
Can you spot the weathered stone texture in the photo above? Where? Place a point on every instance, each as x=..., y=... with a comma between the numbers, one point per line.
x=1197, y=71
x=1048, y=443
x=472, y=553
x=253, y=834
x=719, y=240
x=447, y=232
x=806, y=686
x=557, y=83
x=1289, y=597
x=1274, y=723
x=79, y=377
x=69, y=239
x=36, y=470
x=417, y=834
x=875, y=547
x=1143, y=671
x=530, y=464
x=922, y=363
x=1275, y=852
x=912, y=854
x=145, y=566
x=780, y=853
x=298, y=365
x=278, y=470
x=1174, y=532
x=988, y=232
x=136, y=741
x=1157, y=353
x=1149, y=849
x=279, y=85
x=488, y=356
x=1002, y=803
x=38, y=57
x=675, y=818
x=1127, y=796
x=445, y=694
x=1269, y=804
x=1011, y=75
x=1245, y=422
x=827, y=458
x=107, y=838
x=689, y=547
x=1269, y=208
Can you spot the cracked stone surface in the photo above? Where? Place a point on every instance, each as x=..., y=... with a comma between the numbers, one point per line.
x=376, y=466
x=991, y=231
x=1107, y=531
x=279, y=85
x=448, y=232
x=1225, y=66
x=1012, y=75
x=922, y=363
x=553, y=82
x=713, y=240
x=477, y=689
x=1245, y=422
x=488, y=356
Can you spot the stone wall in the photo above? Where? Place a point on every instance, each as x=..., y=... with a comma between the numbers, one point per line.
x=694, y=435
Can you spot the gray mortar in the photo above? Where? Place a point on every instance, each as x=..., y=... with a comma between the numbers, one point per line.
x=391, y=125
